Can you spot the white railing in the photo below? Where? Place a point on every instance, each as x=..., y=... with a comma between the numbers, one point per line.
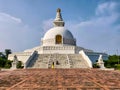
x=86, y=58
x=69, y=63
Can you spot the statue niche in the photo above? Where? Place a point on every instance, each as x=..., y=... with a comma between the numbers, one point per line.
x=58, y=39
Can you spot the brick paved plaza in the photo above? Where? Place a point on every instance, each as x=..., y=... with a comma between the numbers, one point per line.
x=59, y=79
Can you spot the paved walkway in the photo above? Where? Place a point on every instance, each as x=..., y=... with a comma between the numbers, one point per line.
x=60, y=79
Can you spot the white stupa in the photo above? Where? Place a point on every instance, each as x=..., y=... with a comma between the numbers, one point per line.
x=58, y=49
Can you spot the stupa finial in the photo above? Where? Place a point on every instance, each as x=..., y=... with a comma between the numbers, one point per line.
x=58, y=10
x=58, y=20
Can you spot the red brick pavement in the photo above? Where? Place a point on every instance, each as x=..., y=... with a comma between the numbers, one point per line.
x=60, y=79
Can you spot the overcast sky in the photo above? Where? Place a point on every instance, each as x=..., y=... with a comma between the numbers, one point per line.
x=94, y=23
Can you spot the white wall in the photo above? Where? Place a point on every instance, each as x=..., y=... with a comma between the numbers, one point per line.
x=21, y=56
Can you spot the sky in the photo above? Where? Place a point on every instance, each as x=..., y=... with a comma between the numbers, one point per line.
x=94, y=23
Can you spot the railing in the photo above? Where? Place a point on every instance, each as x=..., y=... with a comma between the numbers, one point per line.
x=68, y=60
x=86, y=58
x=30, y=59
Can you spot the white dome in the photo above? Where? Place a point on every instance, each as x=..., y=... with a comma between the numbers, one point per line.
x=50, y=34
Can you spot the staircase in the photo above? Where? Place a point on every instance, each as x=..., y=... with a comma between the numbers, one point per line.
x=60, y=61
x=42, y=61
x=76, y=61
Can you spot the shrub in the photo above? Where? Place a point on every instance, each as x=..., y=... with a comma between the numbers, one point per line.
x=95, y=65
x=19, y=64
x=117, y=66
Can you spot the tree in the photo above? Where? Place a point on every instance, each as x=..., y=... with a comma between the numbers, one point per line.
x=2, y=55
x=8, y=64
x=7, y=52
x=112, y=62
x=4, y=63
x=117, y=66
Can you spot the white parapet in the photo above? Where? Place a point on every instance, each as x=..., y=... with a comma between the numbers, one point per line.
x=21, y=56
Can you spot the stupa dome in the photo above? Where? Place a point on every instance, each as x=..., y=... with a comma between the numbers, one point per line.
x=58, y=35
x=50, y=34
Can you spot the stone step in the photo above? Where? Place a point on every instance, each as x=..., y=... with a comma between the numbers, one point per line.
x=73, y=60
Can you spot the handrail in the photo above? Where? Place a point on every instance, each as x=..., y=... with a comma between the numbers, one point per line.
x=30, y=59
x=86, y=58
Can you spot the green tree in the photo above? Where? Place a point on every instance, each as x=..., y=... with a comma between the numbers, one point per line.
x=7, y=52
x=8, y=64
x=2, y=55
x=2, y=62
x=117, y=66
x=112, y=61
